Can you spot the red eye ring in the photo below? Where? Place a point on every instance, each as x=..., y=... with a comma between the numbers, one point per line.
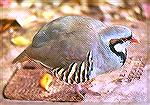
x=124, y=39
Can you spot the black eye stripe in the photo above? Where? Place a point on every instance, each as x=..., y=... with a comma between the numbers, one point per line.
x=126, y=39
x=121, y=40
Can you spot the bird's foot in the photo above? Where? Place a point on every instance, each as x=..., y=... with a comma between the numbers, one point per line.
x=88, y=91
x=81, y=91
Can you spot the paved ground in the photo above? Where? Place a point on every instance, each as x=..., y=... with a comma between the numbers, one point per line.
x=6, y=70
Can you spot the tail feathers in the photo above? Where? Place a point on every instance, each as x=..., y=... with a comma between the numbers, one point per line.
x=21, y=58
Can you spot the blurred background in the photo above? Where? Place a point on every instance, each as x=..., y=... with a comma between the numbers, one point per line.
x=20, y=19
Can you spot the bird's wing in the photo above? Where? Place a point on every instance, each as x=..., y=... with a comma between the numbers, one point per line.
x=64, y=40
x=61, y=52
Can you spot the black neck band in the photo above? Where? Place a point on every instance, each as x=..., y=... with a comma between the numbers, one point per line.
x=119, y=54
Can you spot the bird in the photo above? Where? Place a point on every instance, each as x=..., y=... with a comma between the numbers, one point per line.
x=79, y=48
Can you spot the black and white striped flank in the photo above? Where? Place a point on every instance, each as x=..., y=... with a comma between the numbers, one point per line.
x=76, y=73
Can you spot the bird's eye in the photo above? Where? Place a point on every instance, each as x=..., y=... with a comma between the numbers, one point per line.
x=124, y=39
x=113, y=41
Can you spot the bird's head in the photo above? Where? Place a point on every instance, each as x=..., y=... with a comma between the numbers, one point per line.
x=117, y=38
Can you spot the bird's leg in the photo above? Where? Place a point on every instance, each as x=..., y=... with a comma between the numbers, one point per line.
x=81, y=90
x=92, y=92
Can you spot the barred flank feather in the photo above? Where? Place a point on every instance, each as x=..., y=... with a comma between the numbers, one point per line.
x=76, y=72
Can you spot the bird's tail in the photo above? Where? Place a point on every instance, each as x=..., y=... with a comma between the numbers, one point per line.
x=21, y=58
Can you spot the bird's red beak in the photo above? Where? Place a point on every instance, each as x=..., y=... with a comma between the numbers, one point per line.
x=134, y=41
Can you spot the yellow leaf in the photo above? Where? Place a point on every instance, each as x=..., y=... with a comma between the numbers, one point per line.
x=45, y=81
x=66, y=9
x=20, y=41
x=48, y=14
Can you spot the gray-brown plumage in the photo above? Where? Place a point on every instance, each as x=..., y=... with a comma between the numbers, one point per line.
x=79, y=48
